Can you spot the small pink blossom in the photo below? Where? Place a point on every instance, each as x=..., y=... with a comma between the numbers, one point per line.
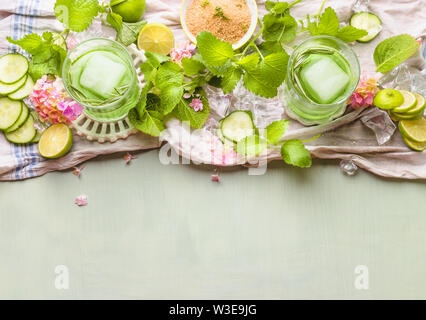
x=215, y=178
x=128, y=158
x=81, y=200
x=196, y=104
x=77, y=170
x=185, y=51
x=52, y=102
x=364, y=94
x=71, y=42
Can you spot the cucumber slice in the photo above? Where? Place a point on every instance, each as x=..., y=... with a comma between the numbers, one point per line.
x=24, y=91
x=227, y=143
x=24, y=134
x=369, y=22
x=9, y=112
x=21, y=120
x=6, y=89
x=238, y=125
x=13, y=67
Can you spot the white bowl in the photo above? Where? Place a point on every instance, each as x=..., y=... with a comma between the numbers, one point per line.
x=254, y=16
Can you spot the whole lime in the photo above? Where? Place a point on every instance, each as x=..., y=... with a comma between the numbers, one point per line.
x=388, y=99
x=129, y=10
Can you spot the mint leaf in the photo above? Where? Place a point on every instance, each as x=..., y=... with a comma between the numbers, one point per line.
x=264, y=79
x=328, y=24
x=276, y=130
x=154, y=60
x=150, y=121
x=169, y=80
x=47, y=57
x=350, y=34
x=76, y=15
x=230, y=80
x=214, y=51
x=192, y=67
x=279, y=28
x=250, y=61
x=294, y=153
x=251, y=146
x=269, y=47
x=196, y=118
x=391, y=52
x=127, y=33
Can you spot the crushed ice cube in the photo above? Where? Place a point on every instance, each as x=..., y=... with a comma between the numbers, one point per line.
x=380, y=122
x=348, y=167
x=324, y=79
x=361, y=6
x=102, y=75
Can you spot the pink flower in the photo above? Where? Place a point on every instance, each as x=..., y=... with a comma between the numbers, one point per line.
x=52, y=102
x=71, y=42
x=196, y=104
x=128, y=158
x=81, y=201
x=364, y=94
x=186, y=51
x=215, y=178
x=77, y=170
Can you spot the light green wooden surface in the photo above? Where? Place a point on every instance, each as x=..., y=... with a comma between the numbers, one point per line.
x=154, y=231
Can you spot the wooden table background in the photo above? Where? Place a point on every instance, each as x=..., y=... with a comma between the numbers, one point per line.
x=167, y=232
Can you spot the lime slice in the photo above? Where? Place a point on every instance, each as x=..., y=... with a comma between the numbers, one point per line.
x=405, y=116
x=157, y=38
x=55, y=142
x=419, y=106
x=415, y=130
x=417, y=146
x=410, y=101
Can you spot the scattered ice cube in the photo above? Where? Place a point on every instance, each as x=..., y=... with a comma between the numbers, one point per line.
x=361, y=6
x=348, y=167
x=380, y=122
x=324, y=79
x=102, y=75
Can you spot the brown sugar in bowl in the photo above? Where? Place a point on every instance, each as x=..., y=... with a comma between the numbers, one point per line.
x=228, y=28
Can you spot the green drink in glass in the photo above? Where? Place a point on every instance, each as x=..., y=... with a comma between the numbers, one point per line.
x=100, y=75
x=323, y=72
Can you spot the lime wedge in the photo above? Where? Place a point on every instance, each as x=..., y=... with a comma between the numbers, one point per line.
x=55, y=142
x=157, y=38
x=415, y=130
x=410, y=101
x=417, y=146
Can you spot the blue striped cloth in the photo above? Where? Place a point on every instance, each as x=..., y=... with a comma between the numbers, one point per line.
x=23, y=23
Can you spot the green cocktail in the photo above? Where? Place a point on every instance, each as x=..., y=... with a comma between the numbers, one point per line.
x=323, y=72
x=100, y=75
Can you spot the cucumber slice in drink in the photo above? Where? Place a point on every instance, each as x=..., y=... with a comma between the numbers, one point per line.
x=6, y=89
x=24, y=134
x=21, y=120
x=24, y=91
x=369, y=22
x=238, y=125
x=13, y=67
x=9, y=112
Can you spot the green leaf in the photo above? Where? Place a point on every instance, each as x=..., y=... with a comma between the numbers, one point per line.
x=391, y=52
x=47, y=58
x=214, y=51
x=154, y=60
x=350, y=34
x=150, y=122
x=230, y=80
x=294, y=153
x=192, y=67
x=251, y=146
x=170, y=97
x=276, y=130
x=264, y=79
x=76, y=15
x=168, y=74
x=327, y=25
x=250, y=61
x=196, y=118
x=277, y=28
x=129, y=32
x=269, y=47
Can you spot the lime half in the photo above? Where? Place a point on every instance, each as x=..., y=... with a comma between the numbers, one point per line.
x=415, y=129
x=157, y=38
x=410, y=101
x=55, y=142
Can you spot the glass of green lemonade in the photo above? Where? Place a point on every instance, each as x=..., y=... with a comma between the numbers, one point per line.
x=322, y=74
x=100, y=75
